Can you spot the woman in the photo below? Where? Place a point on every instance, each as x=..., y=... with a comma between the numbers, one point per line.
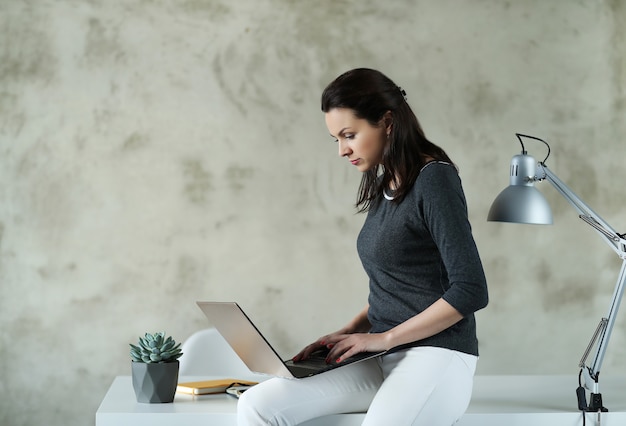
x=425, y=276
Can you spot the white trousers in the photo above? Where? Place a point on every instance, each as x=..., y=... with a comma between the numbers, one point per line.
x=423, y=386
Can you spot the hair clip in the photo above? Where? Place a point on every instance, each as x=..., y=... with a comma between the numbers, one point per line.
x=402, y=92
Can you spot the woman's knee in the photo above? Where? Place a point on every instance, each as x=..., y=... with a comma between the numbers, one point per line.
x=251, y=409
x=258, y=405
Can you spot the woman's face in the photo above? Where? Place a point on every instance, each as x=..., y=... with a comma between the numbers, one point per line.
x=360, y=142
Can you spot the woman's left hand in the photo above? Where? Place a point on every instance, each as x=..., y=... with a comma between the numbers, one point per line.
x=344, y=346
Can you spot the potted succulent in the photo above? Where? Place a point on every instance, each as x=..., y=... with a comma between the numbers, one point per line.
x=155, y=367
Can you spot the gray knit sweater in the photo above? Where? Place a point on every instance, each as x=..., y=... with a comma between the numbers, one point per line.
x=420, y=250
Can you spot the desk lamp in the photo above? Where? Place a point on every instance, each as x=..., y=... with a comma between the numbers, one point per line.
x=521, y=202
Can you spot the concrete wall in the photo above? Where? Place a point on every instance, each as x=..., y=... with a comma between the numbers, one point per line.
x=154, y=153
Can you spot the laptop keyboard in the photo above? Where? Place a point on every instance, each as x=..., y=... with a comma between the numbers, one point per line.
x=313, y=362
x=317, y=363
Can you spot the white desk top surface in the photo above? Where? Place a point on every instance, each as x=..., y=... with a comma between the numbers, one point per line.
x=510, y=400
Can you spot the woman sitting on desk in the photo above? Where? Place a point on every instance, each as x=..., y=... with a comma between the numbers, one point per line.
x=425, y=276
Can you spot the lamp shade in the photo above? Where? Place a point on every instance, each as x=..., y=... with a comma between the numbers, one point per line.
x=521, y=202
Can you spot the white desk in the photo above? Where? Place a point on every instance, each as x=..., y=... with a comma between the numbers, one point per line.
x=496, y=401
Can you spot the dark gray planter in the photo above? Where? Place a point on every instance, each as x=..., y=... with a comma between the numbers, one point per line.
x=155, y=382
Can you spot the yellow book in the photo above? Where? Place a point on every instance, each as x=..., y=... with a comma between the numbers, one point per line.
x=204, y=387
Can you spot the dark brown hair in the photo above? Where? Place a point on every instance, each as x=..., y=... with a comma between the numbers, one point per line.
x=370, y=94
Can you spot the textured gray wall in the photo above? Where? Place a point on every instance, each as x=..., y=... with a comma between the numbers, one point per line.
x=154, y=153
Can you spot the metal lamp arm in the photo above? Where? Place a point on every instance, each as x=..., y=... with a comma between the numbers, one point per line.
x=618, y=244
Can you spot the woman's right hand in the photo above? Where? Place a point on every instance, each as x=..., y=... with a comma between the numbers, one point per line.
x=323, y=343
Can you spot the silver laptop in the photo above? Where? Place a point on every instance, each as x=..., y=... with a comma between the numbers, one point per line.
x=256, y=352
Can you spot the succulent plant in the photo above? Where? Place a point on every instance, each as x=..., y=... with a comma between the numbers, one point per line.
x=155, y=348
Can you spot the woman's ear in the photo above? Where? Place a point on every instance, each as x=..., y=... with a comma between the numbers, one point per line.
x=387, y=122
